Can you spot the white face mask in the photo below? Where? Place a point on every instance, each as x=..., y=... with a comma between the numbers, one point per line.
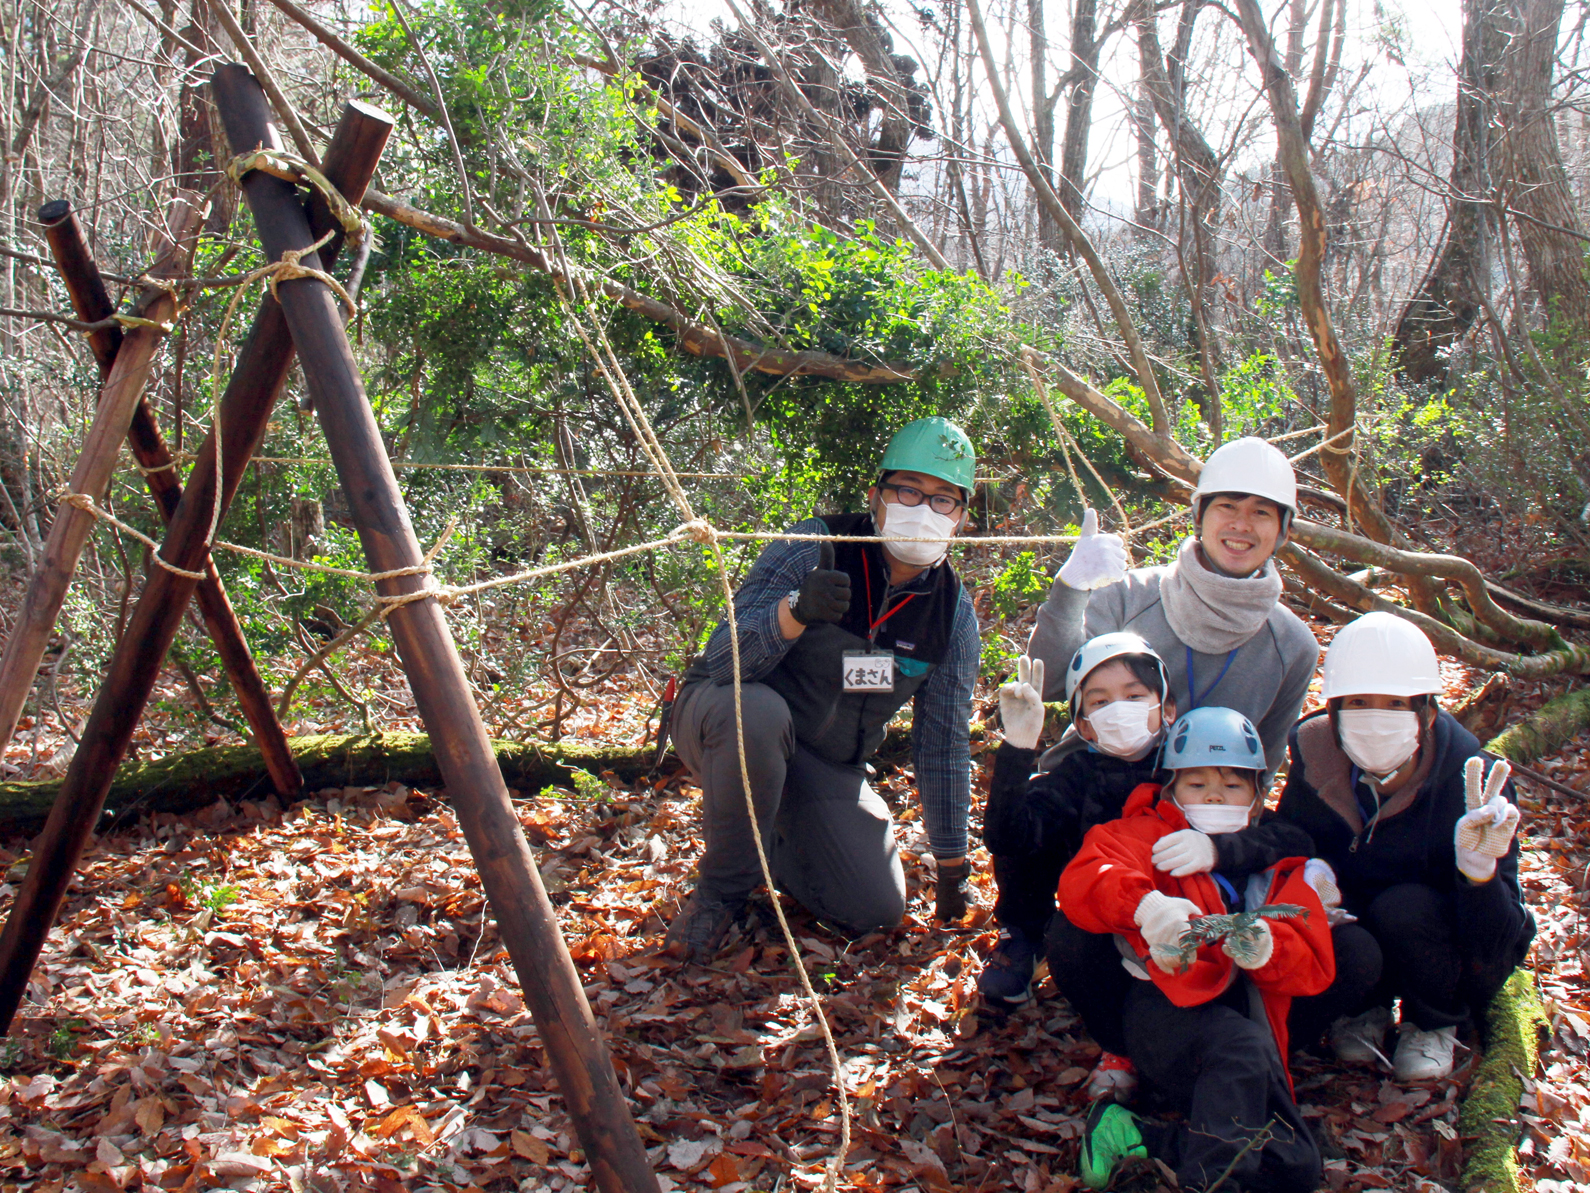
x=1122, y=728
x=1379, y=740
x=1216, y=818
x=917, y=522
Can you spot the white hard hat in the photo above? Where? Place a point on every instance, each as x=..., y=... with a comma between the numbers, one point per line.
x=1253, y=466
x=1095, y=652
x=1381, y=654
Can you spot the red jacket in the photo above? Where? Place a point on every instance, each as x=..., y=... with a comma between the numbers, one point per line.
x=1101, y=888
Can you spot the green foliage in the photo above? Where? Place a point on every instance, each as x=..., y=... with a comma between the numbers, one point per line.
x=998, y=657
x=1279, y=295
x=207, y=893
x=62, y=1043
x=1018, y=584
x=1255, y=391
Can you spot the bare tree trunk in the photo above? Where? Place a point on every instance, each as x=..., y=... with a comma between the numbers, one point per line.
x=1529, y=168
x=1147, y=215
x=1450, y=298
x=864, y=33
x=1337, y=456
x=1082, y=81
x=1198, y=170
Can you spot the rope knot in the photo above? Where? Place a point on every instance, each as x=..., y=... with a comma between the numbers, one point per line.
x=698, y=530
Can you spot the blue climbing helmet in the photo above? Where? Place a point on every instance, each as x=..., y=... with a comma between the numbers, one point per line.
x=1212, y=737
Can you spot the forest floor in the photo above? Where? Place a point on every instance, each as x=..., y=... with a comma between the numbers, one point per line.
x=313, y=998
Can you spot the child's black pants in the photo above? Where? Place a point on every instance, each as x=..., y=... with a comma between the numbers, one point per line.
x=1221, y=1068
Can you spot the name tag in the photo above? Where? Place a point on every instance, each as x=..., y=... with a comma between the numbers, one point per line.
x=869, y=671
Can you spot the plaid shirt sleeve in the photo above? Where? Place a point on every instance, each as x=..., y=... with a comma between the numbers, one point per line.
x=778, y=569
x=941, y=737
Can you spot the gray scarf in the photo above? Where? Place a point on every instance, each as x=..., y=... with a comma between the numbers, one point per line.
x=1211, y=613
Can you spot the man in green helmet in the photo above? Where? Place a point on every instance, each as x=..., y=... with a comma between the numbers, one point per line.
x=835, y=638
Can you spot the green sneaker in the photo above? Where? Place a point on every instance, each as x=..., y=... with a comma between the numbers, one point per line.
x=1110, y=1136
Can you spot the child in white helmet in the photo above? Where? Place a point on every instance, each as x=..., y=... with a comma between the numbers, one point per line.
x=1121, y=703
x=1205, y=1023
x=1396, y=795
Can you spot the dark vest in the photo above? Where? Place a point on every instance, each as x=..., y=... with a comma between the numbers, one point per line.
x=849, y=727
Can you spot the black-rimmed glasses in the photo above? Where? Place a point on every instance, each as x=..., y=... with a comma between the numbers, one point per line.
x=939, y=503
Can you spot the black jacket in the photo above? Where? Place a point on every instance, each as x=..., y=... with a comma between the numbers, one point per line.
x=1052, y=812
x=1412, y=842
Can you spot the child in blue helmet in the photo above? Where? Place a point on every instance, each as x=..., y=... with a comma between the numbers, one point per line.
x=1120, y=701
x=1206, y=1025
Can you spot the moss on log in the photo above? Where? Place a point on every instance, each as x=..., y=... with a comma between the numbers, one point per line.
x=1489, y=1119
x=1554, y=723
x=185, y=782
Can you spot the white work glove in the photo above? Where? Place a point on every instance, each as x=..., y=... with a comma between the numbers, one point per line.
x=1318, y=874
x=1096, y=560
x=1021, y=704
x=1253, y=953
x=1485, y=832
x=1185, y=852
x=1162, y=919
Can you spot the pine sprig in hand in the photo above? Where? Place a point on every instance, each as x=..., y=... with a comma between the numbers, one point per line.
x=1241, y=929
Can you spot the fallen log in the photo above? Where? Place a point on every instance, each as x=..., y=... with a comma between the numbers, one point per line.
x=189, y=781
x=1488, y=1122
x=1555, y=723
x=195, y=779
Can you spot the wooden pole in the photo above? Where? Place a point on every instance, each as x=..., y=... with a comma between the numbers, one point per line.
x=92, y=302
x=525, y=918
x=261, y=368
x=118, y=398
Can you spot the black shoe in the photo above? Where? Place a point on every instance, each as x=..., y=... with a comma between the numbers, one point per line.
x=699, y=928
x=1006, y=980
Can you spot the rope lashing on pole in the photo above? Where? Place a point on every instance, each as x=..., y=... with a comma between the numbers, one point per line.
x=287, y=269
x=289, y=167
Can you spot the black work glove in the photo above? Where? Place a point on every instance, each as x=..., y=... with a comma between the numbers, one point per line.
x=825, y=593
x=950, y=893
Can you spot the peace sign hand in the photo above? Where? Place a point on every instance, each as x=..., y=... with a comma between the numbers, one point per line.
x=1485, y=832
x=1021, y=704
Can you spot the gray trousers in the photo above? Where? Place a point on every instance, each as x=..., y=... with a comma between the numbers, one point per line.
x=829, y=838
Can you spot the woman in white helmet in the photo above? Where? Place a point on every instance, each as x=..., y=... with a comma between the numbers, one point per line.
x=1212, y=615
x=1423, y=839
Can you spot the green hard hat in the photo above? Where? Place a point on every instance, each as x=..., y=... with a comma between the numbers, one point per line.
x=934, y=447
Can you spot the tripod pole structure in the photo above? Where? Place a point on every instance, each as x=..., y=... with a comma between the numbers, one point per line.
x=92, y=303
x=260, y=370
x=119, y=397
x=525, y=918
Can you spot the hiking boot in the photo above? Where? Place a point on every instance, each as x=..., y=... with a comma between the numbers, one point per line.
x=1006, y=980
x=1423, y=1055
x=699, y=928
x=1109, y=1137
x=1361, y=1040
x=1114, y=1077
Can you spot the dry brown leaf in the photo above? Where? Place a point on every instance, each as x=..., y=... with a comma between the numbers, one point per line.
x=529, y=1147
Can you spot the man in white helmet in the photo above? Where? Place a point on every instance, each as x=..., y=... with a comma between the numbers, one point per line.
x=1212, y=615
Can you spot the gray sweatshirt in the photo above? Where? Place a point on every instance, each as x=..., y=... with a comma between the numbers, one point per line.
x=1266, y=679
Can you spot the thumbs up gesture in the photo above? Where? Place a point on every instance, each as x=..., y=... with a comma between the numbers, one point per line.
x=1096, y=560
x=1485, y=832
x=825, y=593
